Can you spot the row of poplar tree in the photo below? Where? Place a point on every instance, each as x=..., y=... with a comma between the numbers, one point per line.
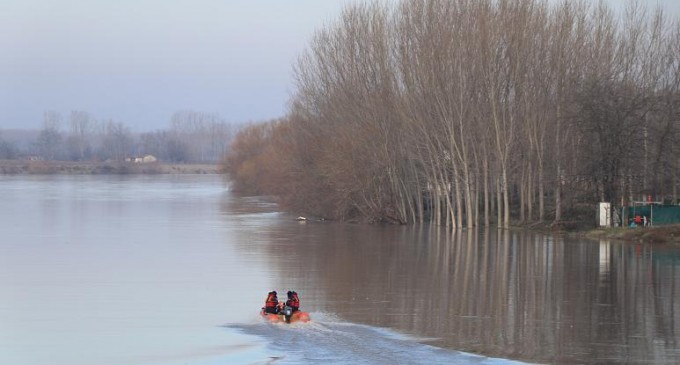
x=467, y=113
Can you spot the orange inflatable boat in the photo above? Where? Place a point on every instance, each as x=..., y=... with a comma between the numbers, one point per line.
x=286, y=315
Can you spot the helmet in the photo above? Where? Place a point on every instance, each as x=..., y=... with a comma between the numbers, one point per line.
x=290, y=294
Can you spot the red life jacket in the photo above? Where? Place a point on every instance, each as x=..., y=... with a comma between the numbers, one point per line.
x=294, y=301
x=272, y=301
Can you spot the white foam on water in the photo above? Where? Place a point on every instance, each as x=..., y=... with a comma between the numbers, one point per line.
x=326, y=339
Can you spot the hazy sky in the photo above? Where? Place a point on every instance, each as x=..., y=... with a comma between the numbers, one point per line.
x=139, y=61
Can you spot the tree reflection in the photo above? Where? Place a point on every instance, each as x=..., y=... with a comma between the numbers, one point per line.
x=503, y=293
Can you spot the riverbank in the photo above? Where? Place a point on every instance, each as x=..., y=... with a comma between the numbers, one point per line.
x=666, y=234
x=29, y=167
x=669, y=234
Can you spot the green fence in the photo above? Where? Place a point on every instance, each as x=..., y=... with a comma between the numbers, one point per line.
x=656, y=214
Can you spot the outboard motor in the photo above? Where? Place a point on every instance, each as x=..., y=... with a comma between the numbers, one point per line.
x=287, y=313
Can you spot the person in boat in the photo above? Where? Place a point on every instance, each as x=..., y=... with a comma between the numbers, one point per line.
x=293, y=301
x=271, y=304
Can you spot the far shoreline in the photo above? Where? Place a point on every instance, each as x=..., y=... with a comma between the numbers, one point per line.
x=32, y=167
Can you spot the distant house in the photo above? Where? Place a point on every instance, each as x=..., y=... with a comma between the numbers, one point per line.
x=145, y=159
x=149, y=158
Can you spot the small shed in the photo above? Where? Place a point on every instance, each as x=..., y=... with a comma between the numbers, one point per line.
x=604, y=216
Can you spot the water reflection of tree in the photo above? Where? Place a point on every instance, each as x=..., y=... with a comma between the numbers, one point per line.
x=501, y=293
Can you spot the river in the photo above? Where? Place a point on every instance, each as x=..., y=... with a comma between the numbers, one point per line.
x=172, y=269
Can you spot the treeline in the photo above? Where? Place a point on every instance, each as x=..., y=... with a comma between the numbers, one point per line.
x=468, y=113
x=191, y=137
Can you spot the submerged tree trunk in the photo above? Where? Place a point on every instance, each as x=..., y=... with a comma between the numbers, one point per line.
x=485, y=183
x=541, y=193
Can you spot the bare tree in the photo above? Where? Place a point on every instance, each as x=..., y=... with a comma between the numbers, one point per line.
x=205, y=135
x=50, y=139
x=117, y=142
x=83, y=127
x=441, y=110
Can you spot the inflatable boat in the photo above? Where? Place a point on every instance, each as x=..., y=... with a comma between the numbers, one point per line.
x=286, y=315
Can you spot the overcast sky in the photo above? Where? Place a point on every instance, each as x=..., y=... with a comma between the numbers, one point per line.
x=139, y=61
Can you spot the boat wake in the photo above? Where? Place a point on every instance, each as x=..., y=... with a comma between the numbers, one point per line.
x=328, y=340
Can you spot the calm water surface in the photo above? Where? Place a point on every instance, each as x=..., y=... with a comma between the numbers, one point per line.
x=173, y=269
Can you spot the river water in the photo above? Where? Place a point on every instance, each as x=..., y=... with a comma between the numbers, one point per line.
x=173, y=270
